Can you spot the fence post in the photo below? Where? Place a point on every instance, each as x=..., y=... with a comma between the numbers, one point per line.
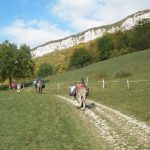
x=87, y=80
x=128, y=86
x=58, y=86
x=103, y=84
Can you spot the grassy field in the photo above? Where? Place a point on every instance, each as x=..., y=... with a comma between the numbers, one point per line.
x=42, y=121
x=135, y=66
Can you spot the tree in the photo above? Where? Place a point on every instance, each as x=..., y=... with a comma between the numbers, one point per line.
x=105, y=45
x=121, y=40
x=15, y=63
x=140, y=39
x=45, y=70
x=79, y=58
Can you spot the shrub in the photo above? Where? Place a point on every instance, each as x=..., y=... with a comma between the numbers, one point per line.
x=80, y=58
x=105, y=45
x=102, y=75
x=123, y=74
x=45, y=70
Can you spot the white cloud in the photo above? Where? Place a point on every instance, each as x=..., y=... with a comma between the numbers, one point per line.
x=83, y=14
x=32, y=33
x=80, y=14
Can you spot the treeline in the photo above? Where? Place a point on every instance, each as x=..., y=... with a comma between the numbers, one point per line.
x=108, y=46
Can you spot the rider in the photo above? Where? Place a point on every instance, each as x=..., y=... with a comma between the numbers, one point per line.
x=73, y=90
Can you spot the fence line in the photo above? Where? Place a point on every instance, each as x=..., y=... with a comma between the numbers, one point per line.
x=127, y=81
x=104, y=82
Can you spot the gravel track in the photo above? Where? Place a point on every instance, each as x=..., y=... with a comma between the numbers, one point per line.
x=120, y=131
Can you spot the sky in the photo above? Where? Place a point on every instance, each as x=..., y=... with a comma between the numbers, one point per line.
x=35, y=22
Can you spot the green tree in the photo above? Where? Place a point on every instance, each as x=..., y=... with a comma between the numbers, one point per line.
x=45, y=70
x=140, y=39
x=105, y=45
x=15, y=63
x=79, y=58
x=121, y=40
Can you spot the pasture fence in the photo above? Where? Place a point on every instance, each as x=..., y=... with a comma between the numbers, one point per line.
x=104, y=83
x=127, y=82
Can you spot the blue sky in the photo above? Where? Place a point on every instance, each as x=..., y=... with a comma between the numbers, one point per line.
x=35, y=22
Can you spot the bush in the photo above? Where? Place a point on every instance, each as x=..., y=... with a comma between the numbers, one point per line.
x=123, y=74
x=102, y=75
x=45, y=70
x=105, y=45
x=4, y=87
x=79, y=58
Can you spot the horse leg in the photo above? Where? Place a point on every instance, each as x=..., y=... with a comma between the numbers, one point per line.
x=83, y=100
x=41, y=89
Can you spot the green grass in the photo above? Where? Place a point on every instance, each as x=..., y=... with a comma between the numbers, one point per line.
x=32, y=121
x=134, y=66
x=136, y=63
x=42, y=121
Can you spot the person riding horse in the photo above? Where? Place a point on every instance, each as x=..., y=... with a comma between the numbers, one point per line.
x=81, y=95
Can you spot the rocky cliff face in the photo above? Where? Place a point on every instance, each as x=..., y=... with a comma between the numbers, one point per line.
x=90, y=34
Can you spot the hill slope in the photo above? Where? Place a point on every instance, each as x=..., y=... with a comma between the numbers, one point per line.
x=136, y=63
x=90, y=34
x=133, y=67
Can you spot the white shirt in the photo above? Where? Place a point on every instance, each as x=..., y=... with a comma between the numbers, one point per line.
x=73, y=88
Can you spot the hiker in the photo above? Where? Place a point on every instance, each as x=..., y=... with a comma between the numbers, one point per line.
x=73, y=91
x=18, y=87
x=13, y=85
x=85, y=84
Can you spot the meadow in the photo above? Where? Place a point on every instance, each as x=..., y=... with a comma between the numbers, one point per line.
x=43, y=121
x=134, y=101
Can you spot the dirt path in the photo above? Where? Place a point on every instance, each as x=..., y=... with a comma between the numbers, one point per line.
x=120, y=131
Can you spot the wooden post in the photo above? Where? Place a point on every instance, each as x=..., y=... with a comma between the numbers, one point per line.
x=128, y=86
x=87, y=80
x=103, y=84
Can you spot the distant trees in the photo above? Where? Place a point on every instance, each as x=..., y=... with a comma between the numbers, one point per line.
x=79, y=58
x=105, y=45
x=15, y=63
x=140, y=38
x=122, y=42
x=45, y=70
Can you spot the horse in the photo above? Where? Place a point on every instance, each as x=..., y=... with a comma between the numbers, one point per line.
x=81, y=93
x=39, y=86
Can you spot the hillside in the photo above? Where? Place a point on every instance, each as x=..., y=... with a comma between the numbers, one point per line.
x=136, y=63
x=111, y=120
x=132, y=67
x=90, y=34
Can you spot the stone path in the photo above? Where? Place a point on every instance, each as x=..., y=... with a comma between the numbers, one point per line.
x=120, y=131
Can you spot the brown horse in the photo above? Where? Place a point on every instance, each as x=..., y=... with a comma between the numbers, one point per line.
x=39, y=86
